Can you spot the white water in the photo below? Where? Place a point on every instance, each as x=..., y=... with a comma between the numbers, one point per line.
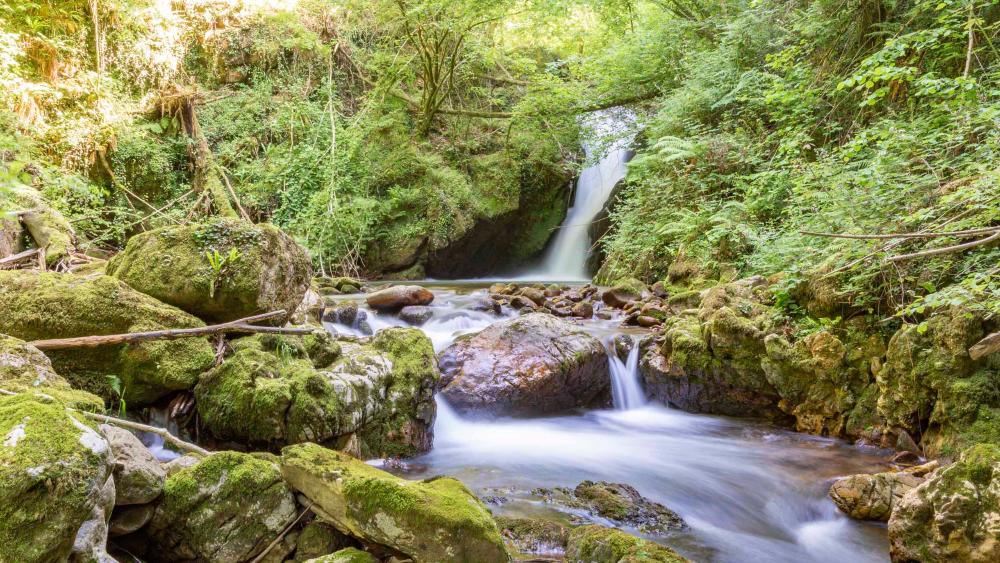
x=626, y=389
x=567, y=254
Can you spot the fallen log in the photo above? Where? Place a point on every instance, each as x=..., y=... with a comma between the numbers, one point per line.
x=239, y=325
x=985, y=347
x=14, y=258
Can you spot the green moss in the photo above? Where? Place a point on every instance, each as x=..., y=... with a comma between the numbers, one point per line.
x=52, y=462
x=318, y=538
x=24, y=368
x=49, y=305
x=268, y=270
x=599, y=544
x=349, y=555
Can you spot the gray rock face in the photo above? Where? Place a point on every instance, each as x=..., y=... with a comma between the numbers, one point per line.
x=535, y=364
x=138, y=475
x=399, y=296
x=416, y=314
x=90, y=544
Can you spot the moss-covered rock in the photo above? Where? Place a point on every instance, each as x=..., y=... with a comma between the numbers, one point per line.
x=270, y=392
x=436, y=520
x=25, y=368
x=49, y=229
x=954, y=515
x=219, y=270
x=533, y=536
x=930, y=387
x=624, y=505
x=227, y=508
x=600, y=544
x=318, y=538
x=348, y=555
x=623, y=291
x=54, y=469
x=872, y=496
x=50, y=305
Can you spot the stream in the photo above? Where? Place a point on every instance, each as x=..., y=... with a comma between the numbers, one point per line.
x=749, y=491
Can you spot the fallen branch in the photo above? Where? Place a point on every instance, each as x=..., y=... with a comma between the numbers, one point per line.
x=966, y=233
x=288, y=528
x=239, y=325
x=946, y=249
x=985, y=347
x=14, y=258
x=167, y=436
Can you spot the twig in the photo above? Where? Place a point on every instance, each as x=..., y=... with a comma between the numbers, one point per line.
x=106, y=419
x=965, y=233
x=19, y=256
x=946, y=249
x=283, y=533
x=239, y=325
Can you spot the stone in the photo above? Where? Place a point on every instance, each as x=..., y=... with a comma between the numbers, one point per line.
x=583, y=309
x=623, y=292
x=486, y=304
x=599, y=544
x=399, y=296
x=416, y=315
x=537, y=296
x=624, y=505
x=435, y=520
x=257, y=269
x=42, y=305
x=310, y=310
x=952, y=516
x=25, y=368
x=521, y=302
x=225, y=509
x=48, y=227
x=871, y=497
x=647, y=321
x=378, y=391
x=130, y=518
x=341, y=312
x=90, y=544
x=54, y=472
x=534, y=536
x=348, y=555
x=138, y=475
x=319, y=538
x=532, y=365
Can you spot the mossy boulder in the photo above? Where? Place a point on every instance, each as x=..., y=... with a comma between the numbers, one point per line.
x=535, y=364
x=624, y=291
x=379, y=391
x=437, y=520
x=318, y=538
x=225, y=509
x=54, y=470
x=533, y=536
x=25, y=368
x=954, y=516
x=348, y=555
x=624, y=505
x=41, y=305
x=219, y=270
x=49, y=229
x=600, y=544
x=930, y=386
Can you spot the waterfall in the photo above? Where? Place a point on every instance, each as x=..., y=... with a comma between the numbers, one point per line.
x=566, y=257
x=626, y=389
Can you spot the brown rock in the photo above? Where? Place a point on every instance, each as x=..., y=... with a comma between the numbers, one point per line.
x=399, y=296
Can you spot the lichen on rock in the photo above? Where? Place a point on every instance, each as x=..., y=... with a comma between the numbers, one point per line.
x=219, y=270
x=436, y=520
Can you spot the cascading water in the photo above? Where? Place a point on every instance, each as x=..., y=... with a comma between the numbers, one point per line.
x=567, y=254
x=626, y=389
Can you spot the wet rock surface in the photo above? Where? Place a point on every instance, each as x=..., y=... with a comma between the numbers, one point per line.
x=532, y=365
x=398, y=296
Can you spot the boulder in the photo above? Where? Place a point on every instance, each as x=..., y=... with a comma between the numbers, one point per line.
x=49, y=229
x=623, y=292
x=91, y=542
x=310, y=310
x=533, y=536
x=600, y=544
x=952, y=516
x=416, y=314
x=348, y=555
x=399, y=296
x=225, y=509
x=342, y=312
x=583, y=309
x=624, y=505
x=319, y=538
x=130, y=518
x=219, y=270
x=378, y=391
x=55, y=468
x=872, y=497
x=138, y=475
x=532, y=365
x=40, y=305
x=436, y=521
x=486, y=304
x=536, y=295
x=25, y=368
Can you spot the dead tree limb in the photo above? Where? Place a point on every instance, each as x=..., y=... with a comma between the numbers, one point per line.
x=985, y=347
x=14, y=258
x=890, y=236
x=239, y=325
x=946, y=249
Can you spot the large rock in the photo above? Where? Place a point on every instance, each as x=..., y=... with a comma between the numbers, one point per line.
x=54, y=471
x=348, y=555
x=600, y=544
x=225, y=509
x=49, y=305
x=437, y=520
x=531, y=365
x=257, y=268
x=49, y=229
x=623, y=292
x=376, y=394
x=399, y=296
x=25, y=368
x=533, y=536
x=138, y=475
x=624, y=505
x=954, y=516
x=872, y=496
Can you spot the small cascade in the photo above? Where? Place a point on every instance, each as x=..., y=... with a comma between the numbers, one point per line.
x=160, y=417
x=626, y=389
